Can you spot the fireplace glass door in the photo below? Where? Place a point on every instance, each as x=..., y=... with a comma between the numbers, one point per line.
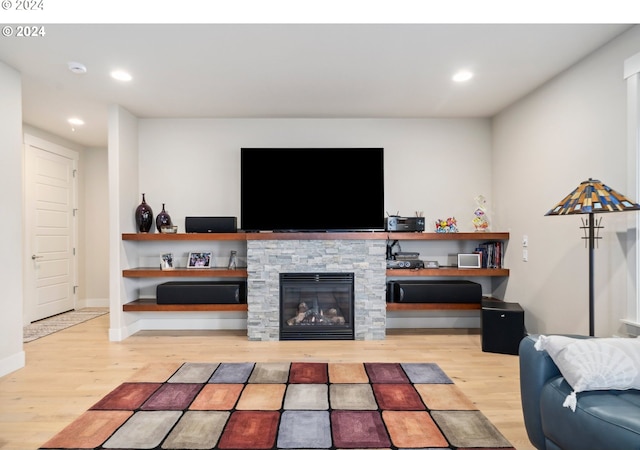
x=316, y=306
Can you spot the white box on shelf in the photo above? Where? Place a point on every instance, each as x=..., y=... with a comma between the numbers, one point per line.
x=469, y=260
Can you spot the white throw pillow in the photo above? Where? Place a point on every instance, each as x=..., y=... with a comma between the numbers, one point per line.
x=594, y=364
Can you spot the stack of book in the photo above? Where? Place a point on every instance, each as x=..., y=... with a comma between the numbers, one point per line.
x=492, y=254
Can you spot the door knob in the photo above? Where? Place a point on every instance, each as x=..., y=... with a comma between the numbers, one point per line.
x=36, y=257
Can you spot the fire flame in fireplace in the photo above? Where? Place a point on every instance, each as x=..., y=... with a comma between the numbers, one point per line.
x=316, y=316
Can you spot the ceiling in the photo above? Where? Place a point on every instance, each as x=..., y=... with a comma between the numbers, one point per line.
x=287, y=70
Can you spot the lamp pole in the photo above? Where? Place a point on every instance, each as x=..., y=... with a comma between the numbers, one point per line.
x=592, y=240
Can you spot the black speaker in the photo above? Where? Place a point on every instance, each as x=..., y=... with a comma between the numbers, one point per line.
x=211, y=224
x=450, y=291
x=194, y=292
x=502, y=326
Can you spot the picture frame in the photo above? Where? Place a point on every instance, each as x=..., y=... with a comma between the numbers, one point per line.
x=167, y=261
x=199, y=260
x=233, y=262
x=469, y=260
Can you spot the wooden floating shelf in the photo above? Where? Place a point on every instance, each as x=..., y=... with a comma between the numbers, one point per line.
x=448, y=272
x=183, y=236
x=433, y=236
x=150, y=304
x=154, y=272
x=373, y=235
x=151, y=272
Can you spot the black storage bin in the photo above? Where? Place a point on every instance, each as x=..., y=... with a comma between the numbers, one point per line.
x=196, y=292
x=430, y=291
x=502, y=326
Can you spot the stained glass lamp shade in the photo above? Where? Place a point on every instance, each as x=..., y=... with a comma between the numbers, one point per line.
x=591, y=197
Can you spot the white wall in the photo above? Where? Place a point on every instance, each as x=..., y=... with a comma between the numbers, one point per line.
x=434, y=165
x=123, y=198
x=12, y=356
x=572, y=128
x=94, y=257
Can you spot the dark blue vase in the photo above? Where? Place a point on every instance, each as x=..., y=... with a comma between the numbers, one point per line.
x=163, y=219
x=144, y=216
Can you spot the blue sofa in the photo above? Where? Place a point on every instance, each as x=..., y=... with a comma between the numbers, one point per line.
x=603, y=420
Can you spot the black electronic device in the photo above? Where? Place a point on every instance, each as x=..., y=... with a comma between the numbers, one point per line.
x=405, y=264
x=312, y=189
x=434, y=291
x=211, y=224
x=397, y=223
x=406, y=255
x=194, y=292
x=502, y=326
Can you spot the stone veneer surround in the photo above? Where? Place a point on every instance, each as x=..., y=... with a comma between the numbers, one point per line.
x=266, y=259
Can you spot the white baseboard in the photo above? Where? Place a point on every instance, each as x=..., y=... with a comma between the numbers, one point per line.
x=433, y=319
x=437, y=322
x=238, y=321
x=92, y=303
x=12, y=363
x=209, y=323
x=120, y=334
x=186, y=321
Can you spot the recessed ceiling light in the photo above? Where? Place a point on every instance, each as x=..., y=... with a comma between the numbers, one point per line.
x=462, y=76
x=75, y=121
x=77, y=67
x=121, y=75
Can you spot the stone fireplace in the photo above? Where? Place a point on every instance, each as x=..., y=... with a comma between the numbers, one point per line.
x=267, y=259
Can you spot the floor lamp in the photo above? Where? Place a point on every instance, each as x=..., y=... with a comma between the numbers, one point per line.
x=592, y=197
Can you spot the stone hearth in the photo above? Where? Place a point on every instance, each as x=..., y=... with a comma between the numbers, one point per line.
x=266, y=259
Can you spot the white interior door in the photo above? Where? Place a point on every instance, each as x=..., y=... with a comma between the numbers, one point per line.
x=50, y=199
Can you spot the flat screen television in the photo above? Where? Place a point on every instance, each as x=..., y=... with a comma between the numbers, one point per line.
x=312, y=189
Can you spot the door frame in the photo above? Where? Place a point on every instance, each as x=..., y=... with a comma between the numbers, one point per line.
x=27, y=220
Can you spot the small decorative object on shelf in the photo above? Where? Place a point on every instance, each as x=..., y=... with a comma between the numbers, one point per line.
x=233, y=263
x=144, y=216
x=480, y=221
x=447, y=226
x=163, y=219
x=166, y=261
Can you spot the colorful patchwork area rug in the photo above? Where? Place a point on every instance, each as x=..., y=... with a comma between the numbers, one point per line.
x=298, y=405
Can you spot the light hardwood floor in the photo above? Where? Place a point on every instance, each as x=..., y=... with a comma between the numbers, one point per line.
x=69, y=371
